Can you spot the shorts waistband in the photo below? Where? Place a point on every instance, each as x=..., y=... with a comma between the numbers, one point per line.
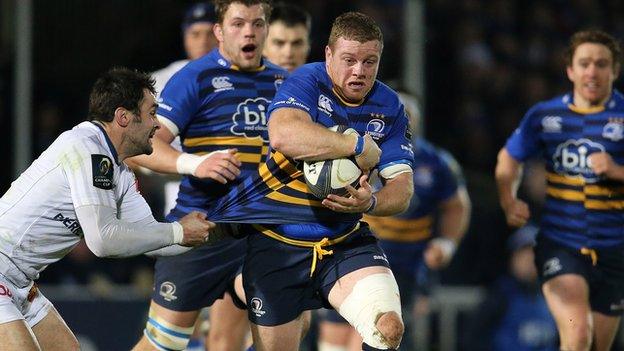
x=317, y=246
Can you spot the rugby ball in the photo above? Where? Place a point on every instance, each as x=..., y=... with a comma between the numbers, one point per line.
x=332, y=176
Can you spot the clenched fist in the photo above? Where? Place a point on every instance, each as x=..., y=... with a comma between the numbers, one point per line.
x=196, y=229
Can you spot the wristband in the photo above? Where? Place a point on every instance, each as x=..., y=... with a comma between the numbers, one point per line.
x=359, y=145
x=373, y=204
x=178, y=232
x=447, y=245
x=188, y=163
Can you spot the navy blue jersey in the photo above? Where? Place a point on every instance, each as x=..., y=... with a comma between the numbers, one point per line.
x=217, y=106
x=582, y=209
x=436, y=178
x=278, y=193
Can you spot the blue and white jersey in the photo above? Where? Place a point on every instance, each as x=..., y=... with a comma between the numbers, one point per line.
x=582, y=209
x=278, y=193
x=215, y=106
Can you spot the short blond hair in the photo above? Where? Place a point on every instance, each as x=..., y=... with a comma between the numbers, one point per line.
x=354, y=26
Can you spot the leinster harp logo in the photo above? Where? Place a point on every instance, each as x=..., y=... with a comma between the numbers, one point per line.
x=102, y=172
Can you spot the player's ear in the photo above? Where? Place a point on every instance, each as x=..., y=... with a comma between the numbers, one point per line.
x=328, y=53
x=217, y=29
x=122, y=116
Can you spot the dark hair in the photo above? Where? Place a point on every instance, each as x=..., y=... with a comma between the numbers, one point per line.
x=594, y=36
x=221, y=7
x=354, y=26
x=119, y=87
x=291, y=15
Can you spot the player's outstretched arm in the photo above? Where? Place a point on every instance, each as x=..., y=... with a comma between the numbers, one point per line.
x=508, y=172
x=293, y=133
x=108, y=236
x=222, y=166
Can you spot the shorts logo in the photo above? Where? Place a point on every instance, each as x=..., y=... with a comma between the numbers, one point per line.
x=380, y=257
x=571, y=158
x=167, y=290
x=617, y=306
x=102, y=167
x=324, y=104
x=551, y=266
x=256, y=307
x=250, y=119
x=221, y=84
x=4, y=291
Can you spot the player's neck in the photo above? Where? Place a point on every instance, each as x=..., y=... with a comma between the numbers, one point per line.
x=114, y=138
x=581, y=102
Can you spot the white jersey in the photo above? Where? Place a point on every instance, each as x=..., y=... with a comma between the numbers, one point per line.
x=38, y=221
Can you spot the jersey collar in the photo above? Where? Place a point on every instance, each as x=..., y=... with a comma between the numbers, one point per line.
x=108, y=141
x=615, y=99
x=223, y=62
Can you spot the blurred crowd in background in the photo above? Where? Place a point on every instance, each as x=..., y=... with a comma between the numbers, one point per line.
x=487, y=62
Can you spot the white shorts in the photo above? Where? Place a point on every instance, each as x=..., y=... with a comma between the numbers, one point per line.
x=15, y=304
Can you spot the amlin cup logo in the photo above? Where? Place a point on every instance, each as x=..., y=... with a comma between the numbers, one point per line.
x=250, y=119
x=571, y=158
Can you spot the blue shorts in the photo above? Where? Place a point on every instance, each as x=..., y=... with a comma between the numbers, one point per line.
x=605, y=279
x=197, y=278
x=276, y=275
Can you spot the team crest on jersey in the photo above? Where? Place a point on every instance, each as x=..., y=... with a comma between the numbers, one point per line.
x=279, y=79
x=221, y=84
x=250, y=119
x=375, y=128
x=614, y=130
x=325, y=104
x=551, y=124
x=102, y=171
x=571, y=158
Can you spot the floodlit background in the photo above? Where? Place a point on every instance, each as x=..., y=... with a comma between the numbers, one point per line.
x=477, y=66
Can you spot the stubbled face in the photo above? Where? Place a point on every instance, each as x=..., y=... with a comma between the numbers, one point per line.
x=143, y=126
x=242, y=34
x=352, y=67
x=199, y=39
x=287, y=47
x=592, y=73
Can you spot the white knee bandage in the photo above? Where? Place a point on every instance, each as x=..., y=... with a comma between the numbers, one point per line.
x=325, y=346
x=370, y=299
x=164, y=335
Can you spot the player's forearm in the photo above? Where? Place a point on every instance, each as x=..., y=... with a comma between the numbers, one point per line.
x=508, y=172
x=394, y=197
x=295, y=135
x=171, y=250
x=107, y=236
x=455, y=215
